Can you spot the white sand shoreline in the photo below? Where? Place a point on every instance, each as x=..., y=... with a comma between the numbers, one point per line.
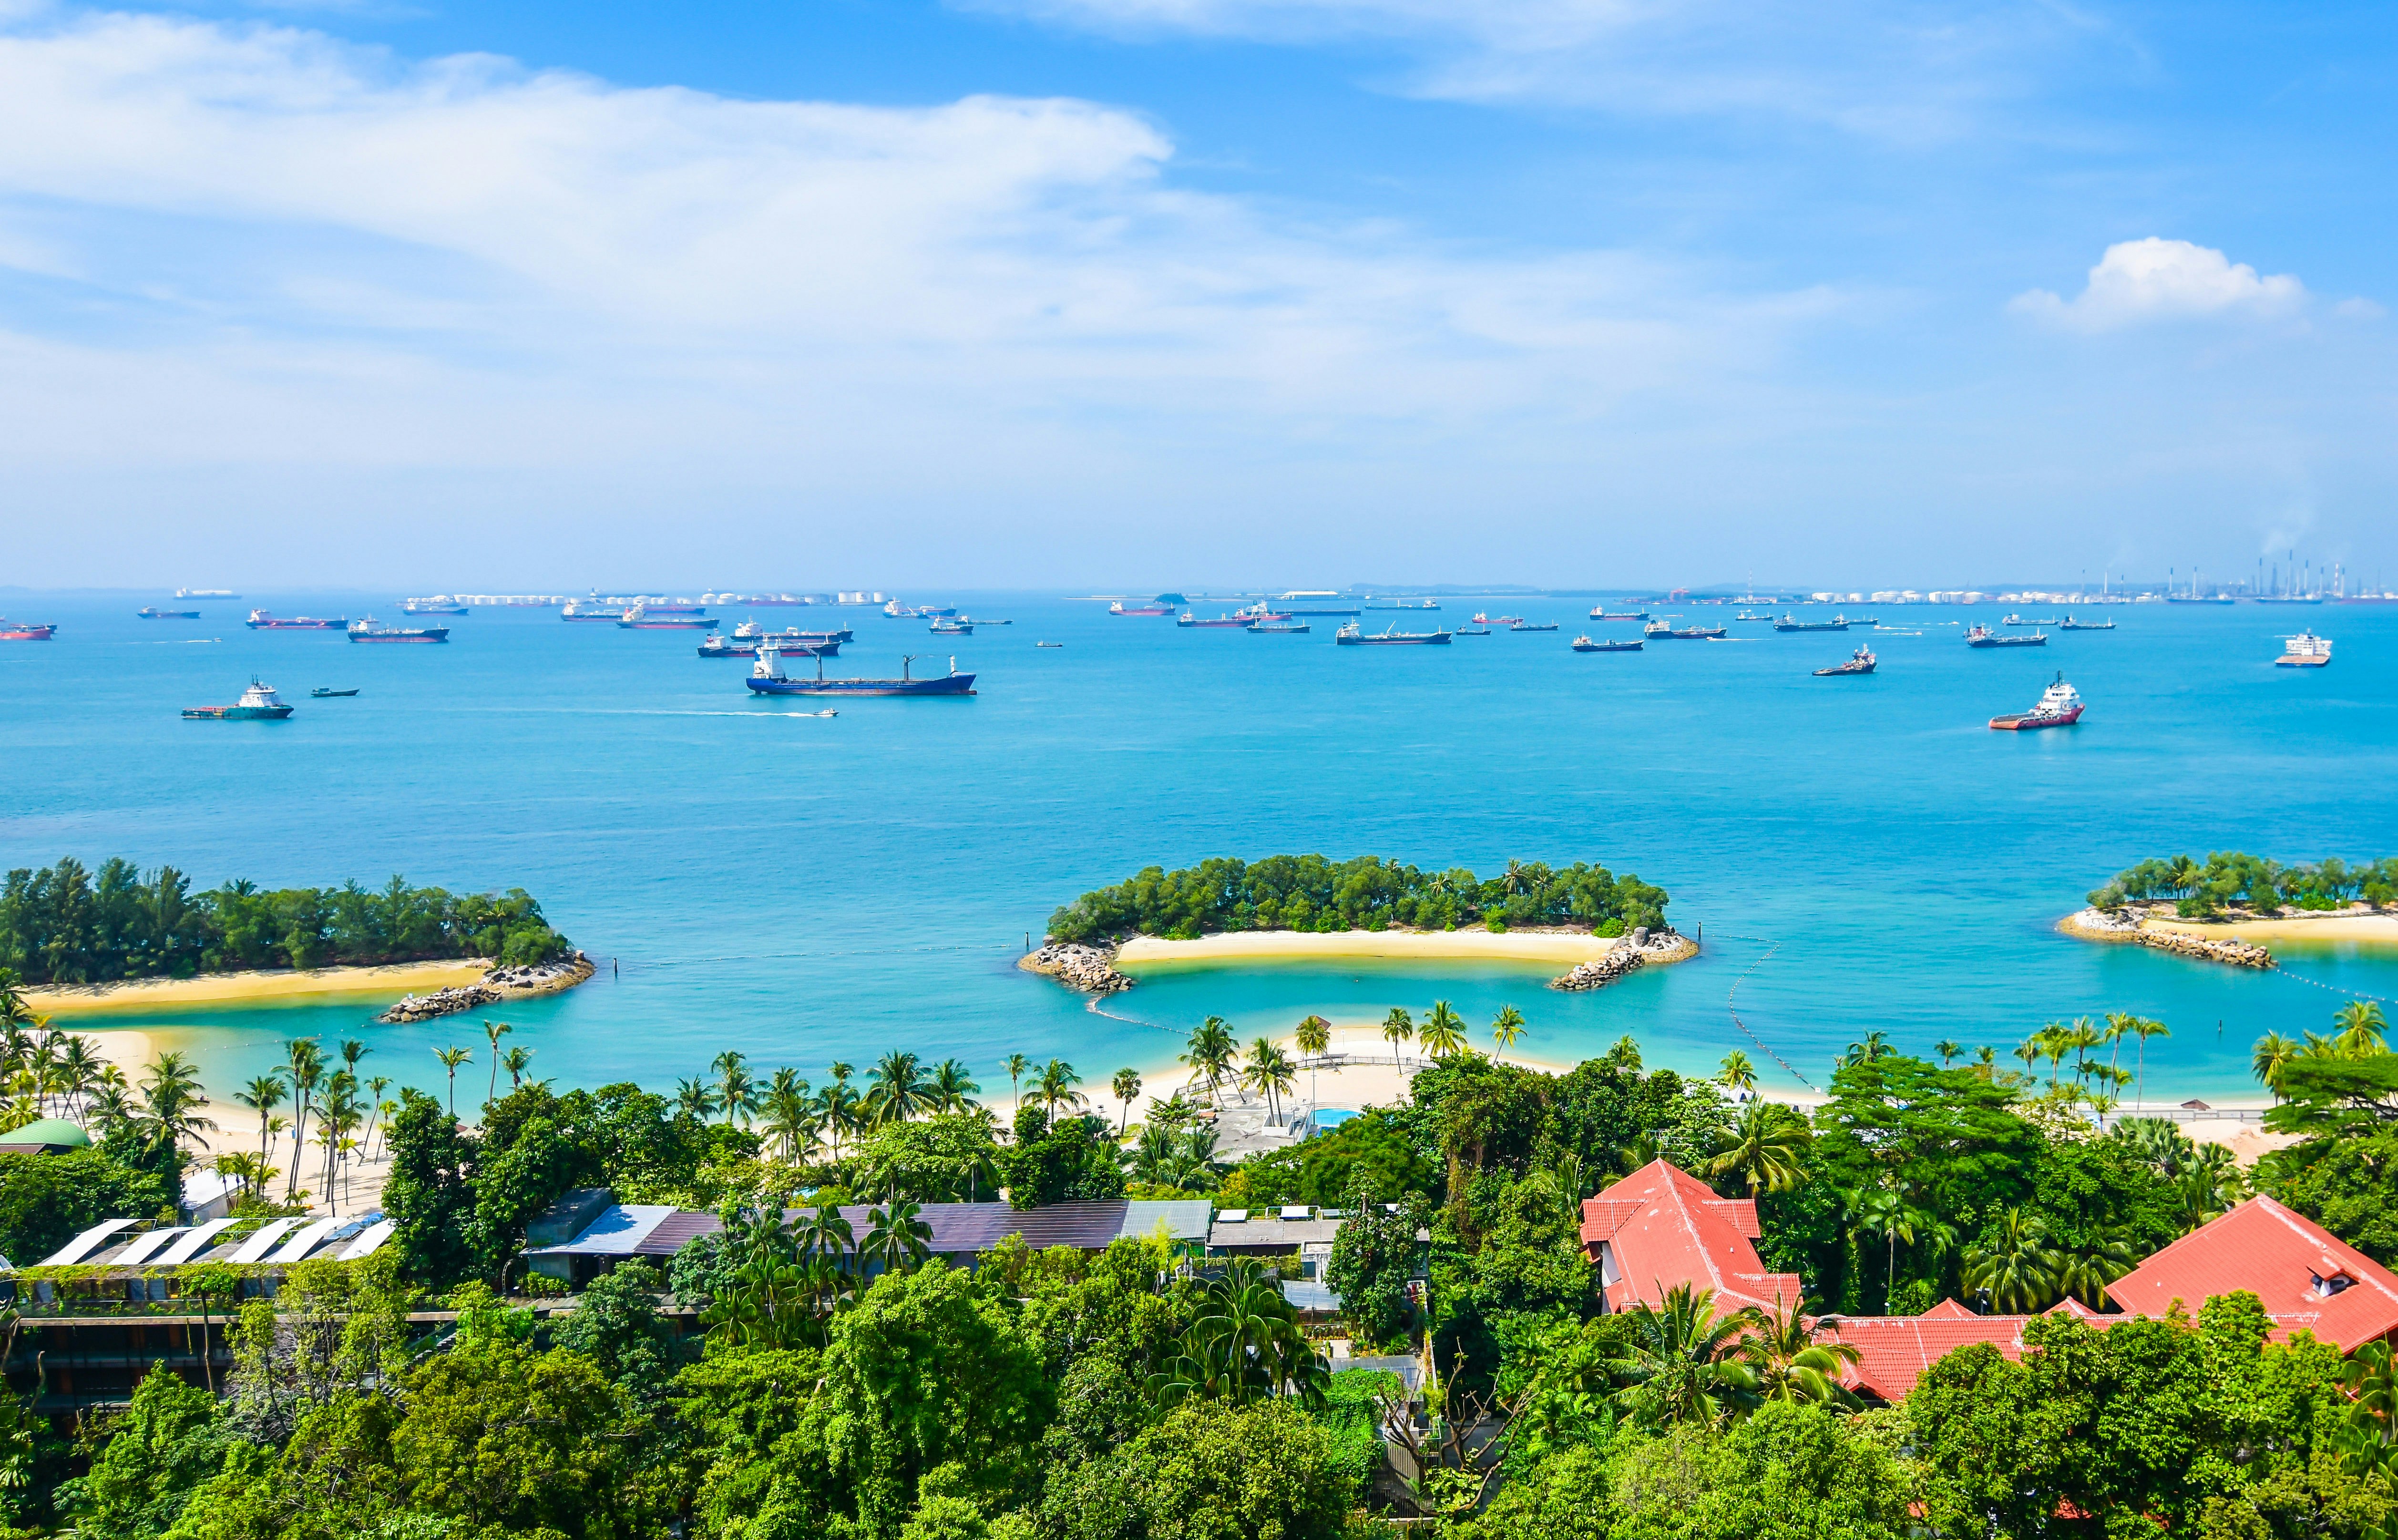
x=1524, y=946
x=228, y=988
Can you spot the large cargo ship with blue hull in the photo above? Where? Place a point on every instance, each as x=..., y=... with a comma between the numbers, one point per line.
x=766, y=677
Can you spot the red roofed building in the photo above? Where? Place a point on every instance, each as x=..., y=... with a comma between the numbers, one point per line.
x=1894, y=1351
x=1660, y=1226
x=2307, y=1279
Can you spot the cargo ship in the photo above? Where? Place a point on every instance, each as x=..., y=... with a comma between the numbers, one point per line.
x=367, y=629
x=949, y=625
x=1600, y=612
x=1301, y=602
x=1349, y=636
x=1584, y=644
x=1267, y=627
x=22, y=630
x=716, y=646
x=640, y=617
x=258, y=703
x=1982, y=635
x=1792, y=623
x=2305, y=650
x=1187, y=621
x=260, y=620
x=1406, y=604
x=750, y=630
x=591, y=610
x=151, y=612
x=1120, y=607
x=2069, y=624
x=1508, y=620
x=1665, y=631
x=205, y=593
x=2057, y=707
x=768, y=679
x=1533, y=626
x=438, y=604
x=1860, y=662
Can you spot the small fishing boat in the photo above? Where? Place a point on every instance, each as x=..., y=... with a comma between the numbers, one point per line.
x=151, y=612
x=768, y=679
x=1584, y=644
x=367, y=630
x=1390, y=635
x=1860, y=662
x=1982, y=635
x=2058, y=706
x=2069, y=624
x=20, y=631
x=258, y=703
x=321, y=693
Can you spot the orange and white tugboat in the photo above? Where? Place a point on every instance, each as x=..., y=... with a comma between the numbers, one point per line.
x=2059, y=705
x=2305, y=650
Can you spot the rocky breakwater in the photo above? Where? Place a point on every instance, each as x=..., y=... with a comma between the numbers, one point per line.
x=498, y=984
x=1090, y=970
x=1634, y=952
x=2101, y=924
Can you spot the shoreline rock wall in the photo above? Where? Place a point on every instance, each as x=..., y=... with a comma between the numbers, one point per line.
x=1087, y=968
x=2099, y=925
x=1634, y=952
x=498, y=984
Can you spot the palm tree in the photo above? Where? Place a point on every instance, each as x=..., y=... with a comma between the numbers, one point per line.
x=1127, y=1085
x=451, y=1059
x=2144, y=1030
x=1986, y=1061
x=2360, y=1028
x=1209, y=1052
x=696, y=1099
x=1738, y=1073
x=375, y=1088
x=895, y=1237
x=2085, y=1274
x=1314, y=1039
x=2017, y=1268
x=837, y=1103
x=1444, y=1031
x=737, y=1094
x=899, y=1092
x=2028, y=1051
x=1764, y=1148
x=1057, y=1087
x=516, y=1061
x=1505, y=1027
x=495, y=1031
x=1271, y=1070
x=2274, y=1054
x=1875, y=1044
x=1883, y=1212
x=262, y=1095
x=305, y=1061
x=1948, y=1049
x=1016, y=1066
x=1792, y=1362
x=953, y=1088
x=171, y=1100
x=790, y=1113
x=1683, y=1364
x=1397, y=1028
x=78, y=1070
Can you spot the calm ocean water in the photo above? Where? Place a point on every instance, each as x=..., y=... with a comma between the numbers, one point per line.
x=1866, y=852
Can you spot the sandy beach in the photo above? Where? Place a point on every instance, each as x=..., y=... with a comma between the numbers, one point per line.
x=2379, y=929
x=1520, y=946
x=225, y=989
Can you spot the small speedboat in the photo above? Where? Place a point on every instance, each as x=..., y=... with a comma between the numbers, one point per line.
x=322, y=694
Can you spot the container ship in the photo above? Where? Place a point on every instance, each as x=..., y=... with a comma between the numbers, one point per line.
x=2058, y=707
x=367, y=629
x=1349, y=636
x=260, y=620
x=1982, y=635
x=768, y=679
x=1861, y=661
x=258, y=703
x=1792, y=623
x=2305, y=650
x=20, y=631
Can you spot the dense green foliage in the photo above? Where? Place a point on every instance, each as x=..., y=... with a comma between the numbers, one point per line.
x=46, y=1200
x=2226, y=877
x=1364, y=893
x=67, y=925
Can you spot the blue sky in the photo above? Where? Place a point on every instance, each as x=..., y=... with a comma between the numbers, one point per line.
x=1138, y=292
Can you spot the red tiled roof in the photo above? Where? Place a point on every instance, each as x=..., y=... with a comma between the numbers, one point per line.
x=1660, y=1226
x=2278, y=1256
x=1894, y=1351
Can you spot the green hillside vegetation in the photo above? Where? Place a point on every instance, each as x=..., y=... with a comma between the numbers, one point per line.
x=1366, y=893
x=2205, y=889
x=68, y=924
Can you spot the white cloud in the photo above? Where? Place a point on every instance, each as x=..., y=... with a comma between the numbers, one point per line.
x=2140, y=281
x=1909, y=72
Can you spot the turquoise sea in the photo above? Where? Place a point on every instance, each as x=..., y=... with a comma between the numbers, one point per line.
x=1862, y=854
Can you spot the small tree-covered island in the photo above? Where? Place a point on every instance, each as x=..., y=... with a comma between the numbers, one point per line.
x=1309, y=893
